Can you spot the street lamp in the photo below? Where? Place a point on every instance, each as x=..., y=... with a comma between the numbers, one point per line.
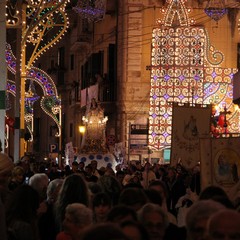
x=82, y=130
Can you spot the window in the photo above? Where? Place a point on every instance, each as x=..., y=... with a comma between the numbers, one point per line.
x=72, y=61
x=71, y=130
x=61, y=60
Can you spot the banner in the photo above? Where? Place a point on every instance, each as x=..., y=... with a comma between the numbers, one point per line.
x=220, y=161
x=69, y=153
x=189, y=123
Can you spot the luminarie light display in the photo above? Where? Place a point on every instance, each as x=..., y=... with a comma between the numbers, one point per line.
x=43, y=25
x=185, y=68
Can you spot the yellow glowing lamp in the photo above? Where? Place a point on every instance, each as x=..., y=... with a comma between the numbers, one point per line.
x=82, y=129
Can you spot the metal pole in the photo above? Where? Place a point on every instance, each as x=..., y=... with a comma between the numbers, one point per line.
x=23, y=78
x=17, y=98
x=3, y=71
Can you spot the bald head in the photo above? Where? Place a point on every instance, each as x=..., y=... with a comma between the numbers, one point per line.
x=224, y=224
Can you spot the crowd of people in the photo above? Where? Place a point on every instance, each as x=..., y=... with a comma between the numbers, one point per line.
x=137, y=201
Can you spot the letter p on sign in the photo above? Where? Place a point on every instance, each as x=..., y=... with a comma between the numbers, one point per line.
x=53, y=148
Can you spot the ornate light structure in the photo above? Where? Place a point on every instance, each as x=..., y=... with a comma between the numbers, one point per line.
x=185, y=68
x=93, y=10
x=215, y=9
x=30, y=97
x=43, y=24
x=50, y=102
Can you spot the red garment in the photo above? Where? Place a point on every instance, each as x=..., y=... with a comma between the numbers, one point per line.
x=63, y=236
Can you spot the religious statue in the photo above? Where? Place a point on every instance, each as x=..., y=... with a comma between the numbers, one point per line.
x=190, y=129
x=226, y=167
x=219, y=123
x=95, y=123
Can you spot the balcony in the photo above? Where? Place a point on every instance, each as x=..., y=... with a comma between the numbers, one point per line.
x=83, y=43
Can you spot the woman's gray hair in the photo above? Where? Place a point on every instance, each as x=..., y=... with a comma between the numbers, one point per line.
x=80, y=214
x=52, y=186
x=151, y=207
x=201, y=209
x=39, y=182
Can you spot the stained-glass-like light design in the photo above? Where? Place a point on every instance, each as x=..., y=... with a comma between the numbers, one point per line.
x=185, y=68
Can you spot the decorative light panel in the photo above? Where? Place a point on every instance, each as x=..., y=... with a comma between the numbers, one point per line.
x=185, y=69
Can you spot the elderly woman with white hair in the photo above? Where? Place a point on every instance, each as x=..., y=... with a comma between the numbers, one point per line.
x=77, y=218
x=39, y=182
x=46, y=222
x=53, y=189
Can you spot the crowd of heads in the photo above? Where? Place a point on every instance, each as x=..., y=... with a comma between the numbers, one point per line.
x=137, y=201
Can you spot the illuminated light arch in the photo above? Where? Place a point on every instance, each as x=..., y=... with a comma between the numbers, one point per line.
x=176, y=9
x=51, y=18
x=50, y=102
x=185, y=68
x=44, y=24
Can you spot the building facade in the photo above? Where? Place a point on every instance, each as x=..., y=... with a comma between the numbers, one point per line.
x=111, y=60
